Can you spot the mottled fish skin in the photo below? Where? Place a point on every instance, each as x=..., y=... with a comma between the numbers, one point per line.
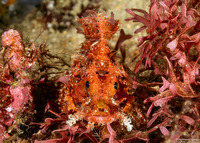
x=97, y=90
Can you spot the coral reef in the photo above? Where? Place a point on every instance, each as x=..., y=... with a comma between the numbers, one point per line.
x=101, y=98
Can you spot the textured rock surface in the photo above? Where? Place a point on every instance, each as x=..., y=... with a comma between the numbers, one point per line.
x=64, y=43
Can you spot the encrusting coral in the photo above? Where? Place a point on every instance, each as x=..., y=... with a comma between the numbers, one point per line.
x=15, y=80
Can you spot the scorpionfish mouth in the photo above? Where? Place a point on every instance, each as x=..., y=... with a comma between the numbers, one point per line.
x=101, y=119
x=102, y=113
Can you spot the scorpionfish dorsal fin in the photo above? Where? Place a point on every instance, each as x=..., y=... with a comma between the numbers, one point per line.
x=99, y=26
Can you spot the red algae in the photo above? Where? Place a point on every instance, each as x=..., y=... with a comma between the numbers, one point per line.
x=170, y=51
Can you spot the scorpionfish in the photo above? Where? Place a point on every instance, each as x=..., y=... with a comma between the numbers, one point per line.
x=98, y=89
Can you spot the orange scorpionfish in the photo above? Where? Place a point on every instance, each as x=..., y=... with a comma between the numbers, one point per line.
x=97, y=90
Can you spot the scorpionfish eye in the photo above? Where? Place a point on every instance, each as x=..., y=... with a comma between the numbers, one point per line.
x=116, y=85
x=87, y=84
